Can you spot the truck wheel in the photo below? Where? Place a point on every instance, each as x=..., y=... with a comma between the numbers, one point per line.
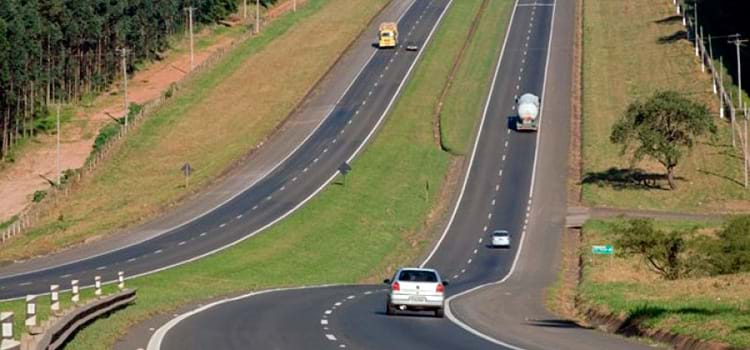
x=439, y=313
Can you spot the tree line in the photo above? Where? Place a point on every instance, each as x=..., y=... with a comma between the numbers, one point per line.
x=60, y=50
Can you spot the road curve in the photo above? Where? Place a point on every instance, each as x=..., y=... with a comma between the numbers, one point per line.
x=338, y=139
x=498, y=193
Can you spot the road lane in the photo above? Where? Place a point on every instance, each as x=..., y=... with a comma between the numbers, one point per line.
x=291, y=184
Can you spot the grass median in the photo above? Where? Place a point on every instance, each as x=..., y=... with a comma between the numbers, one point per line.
x=630, y=50
x=707, y=308
x=216, y=119
x=348, y=233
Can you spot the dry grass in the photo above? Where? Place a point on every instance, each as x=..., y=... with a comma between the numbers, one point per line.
x=212, y=123
x=624, y=60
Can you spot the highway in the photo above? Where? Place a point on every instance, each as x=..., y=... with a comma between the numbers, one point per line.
x=501, y=191
x=338, y=139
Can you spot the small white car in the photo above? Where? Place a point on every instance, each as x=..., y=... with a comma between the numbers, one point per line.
x=500, y=239
x=416, y=289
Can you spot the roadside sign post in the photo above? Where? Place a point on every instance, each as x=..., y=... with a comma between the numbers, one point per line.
x=603, y=250
x=187, y=170
x=345, y=169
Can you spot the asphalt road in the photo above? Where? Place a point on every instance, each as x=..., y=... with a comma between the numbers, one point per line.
x=497, y=194
x=337, y=140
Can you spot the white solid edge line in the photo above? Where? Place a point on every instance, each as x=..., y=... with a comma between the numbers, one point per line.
x=277, y=219
x=476, y=142
x=448, y=301
x=157, y=338
x=245, y=189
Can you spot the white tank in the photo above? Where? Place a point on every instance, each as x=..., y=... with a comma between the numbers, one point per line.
x=528, y=107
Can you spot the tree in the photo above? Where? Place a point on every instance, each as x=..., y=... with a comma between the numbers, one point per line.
x=667, y=253
x=729, y=252
x=663, y=127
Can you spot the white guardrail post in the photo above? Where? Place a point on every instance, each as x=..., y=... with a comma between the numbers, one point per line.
x=98, y=286
x=6, y=318
x=121, y=280
x=75, y=297
x=6, y=341
x=30, y=311
x=54, y=295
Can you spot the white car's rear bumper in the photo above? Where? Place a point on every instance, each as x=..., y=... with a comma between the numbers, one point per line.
x=416, y=301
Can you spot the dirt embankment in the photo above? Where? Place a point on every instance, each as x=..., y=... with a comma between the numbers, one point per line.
x=37, y=162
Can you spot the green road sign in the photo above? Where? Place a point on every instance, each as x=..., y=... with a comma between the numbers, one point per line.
x=603, y=249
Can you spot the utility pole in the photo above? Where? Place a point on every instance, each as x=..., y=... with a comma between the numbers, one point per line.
x=745, y=148
x=245, y=10
x=57, y=158
x=695, y=24
x=703, y=54
x=711, y=57
x=294, y=5
x=190, y=27
x=124, y=55
x=257, y=16
x=737, y=43
x=721, y=83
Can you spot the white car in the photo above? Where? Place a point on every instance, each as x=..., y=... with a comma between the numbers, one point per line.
x=500, y=238
x=416, y=289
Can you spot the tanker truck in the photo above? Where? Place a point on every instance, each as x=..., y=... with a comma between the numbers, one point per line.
x=528, y=112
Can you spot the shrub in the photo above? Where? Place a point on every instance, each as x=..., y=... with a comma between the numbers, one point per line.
x=39, y=196
x=730, y=251
x=668, y=253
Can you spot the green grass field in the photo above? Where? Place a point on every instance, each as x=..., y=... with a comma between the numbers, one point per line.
x=709, y=308
x=371, y=226
x=629, y=52
x=461, y=104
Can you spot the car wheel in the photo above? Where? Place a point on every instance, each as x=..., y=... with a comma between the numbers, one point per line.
x=439, y=313
x=390, y=309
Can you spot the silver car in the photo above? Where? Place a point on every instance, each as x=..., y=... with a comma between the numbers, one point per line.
x=416, y=289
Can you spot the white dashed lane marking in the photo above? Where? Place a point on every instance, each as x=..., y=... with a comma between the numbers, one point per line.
x=68, y=275
x=22, y=284
x=158, y=251
x=328, y=312
x=324, y=322
x=101, y=268
x=224, y=224
x=181, y=243
x=331, y=337
x=131, y=259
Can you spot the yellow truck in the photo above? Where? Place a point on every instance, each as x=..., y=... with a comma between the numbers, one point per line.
x=388, y=35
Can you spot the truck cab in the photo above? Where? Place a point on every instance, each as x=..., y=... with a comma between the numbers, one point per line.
x=388, y=35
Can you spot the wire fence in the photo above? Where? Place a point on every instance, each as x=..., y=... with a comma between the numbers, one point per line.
x=728, y=109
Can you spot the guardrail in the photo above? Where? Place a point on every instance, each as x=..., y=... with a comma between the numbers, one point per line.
x=57, y=329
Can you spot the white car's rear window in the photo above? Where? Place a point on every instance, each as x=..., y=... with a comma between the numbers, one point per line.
x=417, y=276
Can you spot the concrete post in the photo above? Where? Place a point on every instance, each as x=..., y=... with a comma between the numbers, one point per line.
x=7, y=342
x=54, y=295
x=6, y=318
x=98, y=286
x=30, y=310
x=75, y=297
x=121, y=280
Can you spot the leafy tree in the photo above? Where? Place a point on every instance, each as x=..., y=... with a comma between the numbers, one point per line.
x=730, y=251
x=663, y=127
x=667, y=253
